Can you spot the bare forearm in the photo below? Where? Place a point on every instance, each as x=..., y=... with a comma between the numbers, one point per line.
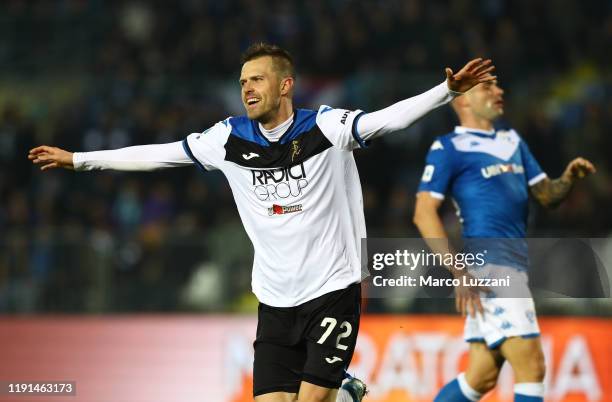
x=550, y=193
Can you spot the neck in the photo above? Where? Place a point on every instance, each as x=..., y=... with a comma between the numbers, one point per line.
x=477, y=122
x=281, y=115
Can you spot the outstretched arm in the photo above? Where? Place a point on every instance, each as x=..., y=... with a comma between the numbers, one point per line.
x=402, y=114
x=137, y=158
x=550, y=193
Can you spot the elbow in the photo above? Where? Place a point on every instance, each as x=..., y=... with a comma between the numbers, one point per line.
x=416, y=219
x=419, y=217
x=547, y=204
x=551, y=205
x=425, y=211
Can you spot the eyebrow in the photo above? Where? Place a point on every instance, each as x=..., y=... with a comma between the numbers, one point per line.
x=251, y=77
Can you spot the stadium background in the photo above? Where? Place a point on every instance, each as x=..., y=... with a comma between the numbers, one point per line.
x=77, y=249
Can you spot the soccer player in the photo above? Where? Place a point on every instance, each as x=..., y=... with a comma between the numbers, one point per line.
x=488, y=172
x=296, y=186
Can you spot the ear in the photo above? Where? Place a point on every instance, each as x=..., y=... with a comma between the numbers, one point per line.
x=462, y=102
x=286, y=85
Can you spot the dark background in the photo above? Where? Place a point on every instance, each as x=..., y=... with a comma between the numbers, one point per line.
x=89, y=75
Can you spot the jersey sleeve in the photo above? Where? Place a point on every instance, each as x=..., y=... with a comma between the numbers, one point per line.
x=438, y=170
x=533, y=171
x=137, y=158
x=339, y=126
x=207, y=149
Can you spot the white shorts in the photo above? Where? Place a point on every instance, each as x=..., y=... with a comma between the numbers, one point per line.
x=504, y=317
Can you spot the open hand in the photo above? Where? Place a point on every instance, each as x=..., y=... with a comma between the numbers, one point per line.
x=467, y=298
x=578, y=169
x=51, y=157
x=473, y=73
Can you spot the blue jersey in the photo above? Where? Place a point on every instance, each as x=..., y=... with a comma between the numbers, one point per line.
x=487, y=173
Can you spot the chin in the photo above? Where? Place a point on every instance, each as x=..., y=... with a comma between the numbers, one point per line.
x=497, y=113
x=253, y=115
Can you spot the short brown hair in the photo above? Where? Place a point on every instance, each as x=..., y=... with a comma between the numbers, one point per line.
x=282, y=58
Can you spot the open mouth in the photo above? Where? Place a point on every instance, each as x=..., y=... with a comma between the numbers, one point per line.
x=252, y=101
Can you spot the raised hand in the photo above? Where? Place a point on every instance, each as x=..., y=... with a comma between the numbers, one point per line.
x=51, y=157
x=578, y=169
x=473, y=73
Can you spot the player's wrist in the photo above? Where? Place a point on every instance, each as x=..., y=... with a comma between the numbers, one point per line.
x=450, y=90
x=457, y=273
x=78, y=160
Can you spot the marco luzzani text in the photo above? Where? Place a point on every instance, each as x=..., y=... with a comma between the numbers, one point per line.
x=410, y=261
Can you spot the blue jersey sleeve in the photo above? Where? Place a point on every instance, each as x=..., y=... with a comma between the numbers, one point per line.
x=438, y=170
x=533, y=171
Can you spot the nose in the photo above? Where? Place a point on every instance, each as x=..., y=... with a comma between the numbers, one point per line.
x=247, y=87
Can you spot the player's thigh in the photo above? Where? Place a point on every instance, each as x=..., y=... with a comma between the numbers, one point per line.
x=483, y=368
x=331, y=336
x=279, y=352
x=277, y=397
x=526, y=357
x=315, y=393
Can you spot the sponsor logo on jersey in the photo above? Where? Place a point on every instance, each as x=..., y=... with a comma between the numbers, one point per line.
x=282, y=209
x=333, y=359
x=427, y=173
x=282, y=183
x=501, y=168
x=344, y=117
x=251, y=155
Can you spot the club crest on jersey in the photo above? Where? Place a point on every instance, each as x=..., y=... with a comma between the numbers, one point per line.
x=282, y=209
x=505, y=135
x=501, y=168
x=295, y=149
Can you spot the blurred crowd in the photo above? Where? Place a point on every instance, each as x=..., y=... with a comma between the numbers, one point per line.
x=88, y=75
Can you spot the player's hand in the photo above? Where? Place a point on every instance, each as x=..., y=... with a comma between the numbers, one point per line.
x=578, y=169
x=467, y=298
x=51, y=157
x=473, y=73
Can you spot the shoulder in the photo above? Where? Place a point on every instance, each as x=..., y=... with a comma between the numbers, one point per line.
x=305, y=119
x=220, y=128
x=329, y=116
x=444, y=142
x=216, y=133
x=240, y=126
x=244, y=128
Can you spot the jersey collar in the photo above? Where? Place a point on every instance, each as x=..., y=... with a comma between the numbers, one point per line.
x=257, y=127
x=277, y=131
x=468, y=130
